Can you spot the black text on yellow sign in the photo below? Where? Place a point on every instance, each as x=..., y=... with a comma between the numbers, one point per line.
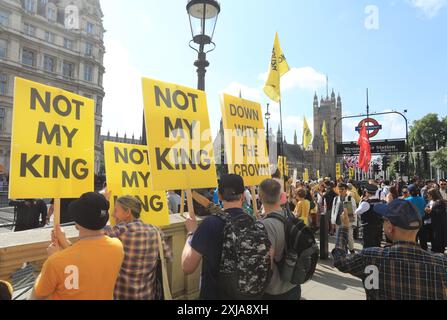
x=245, y=139
x=127, y=173
x=52, y=152
x=179, y=137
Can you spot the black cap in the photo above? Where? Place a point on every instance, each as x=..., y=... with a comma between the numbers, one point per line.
x=231, y=185
x=90, y=211
x=400, y=213
x=371, y=188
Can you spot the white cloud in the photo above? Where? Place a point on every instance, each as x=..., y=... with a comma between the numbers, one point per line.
x=430, y=7
x=302, y=78
x=123, y=103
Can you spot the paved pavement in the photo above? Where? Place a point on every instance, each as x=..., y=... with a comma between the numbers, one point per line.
x=330, y=284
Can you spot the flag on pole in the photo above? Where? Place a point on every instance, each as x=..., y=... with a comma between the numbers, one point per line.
x=365, y=150
x=307, y=135
x=325, y=138
x=278, y=68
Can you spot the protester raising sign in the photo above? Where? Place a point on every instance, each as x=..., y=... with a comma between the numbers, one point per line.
x=245, y=140
x=127, y=173
x=52, y=150
x=179, y=137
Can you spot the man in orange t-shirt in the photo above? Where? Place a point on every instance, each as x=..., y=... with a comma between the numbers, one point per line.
x=88, y=269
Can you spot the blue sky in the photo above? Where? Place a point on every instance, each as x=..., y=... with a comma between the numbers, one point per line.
x=397, y=49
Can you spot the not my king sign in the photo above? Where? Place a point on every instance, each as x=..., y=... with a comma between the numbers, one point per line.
x=179, y=137
x=52, y=151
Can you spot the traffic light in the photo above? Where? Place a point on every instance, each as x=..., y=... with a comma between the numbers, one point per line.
x=385, y=163
x=397, y=166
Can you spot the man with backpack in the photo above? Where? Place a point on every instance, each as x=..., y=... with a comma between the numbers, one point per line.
x=277, y=289
x=341, y=202
x=233, y=246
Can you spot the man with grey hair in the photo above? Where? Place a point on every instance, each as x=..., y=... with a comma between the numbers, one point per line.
x=270, y=196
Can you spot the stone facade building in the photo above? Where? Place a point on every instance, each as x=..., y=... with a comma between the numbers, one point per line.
x=54, y=42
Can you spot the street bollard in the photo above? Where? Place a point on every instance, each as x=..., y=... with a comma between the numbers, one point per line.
x=324, y=235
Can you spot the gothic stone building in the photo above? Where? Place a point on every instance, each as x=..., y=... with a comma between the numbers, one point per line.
x=54, y=42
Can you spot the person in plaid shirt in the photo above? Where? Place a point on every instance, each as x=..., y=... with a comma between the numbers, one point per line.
x=402, y=271
x=137, y=277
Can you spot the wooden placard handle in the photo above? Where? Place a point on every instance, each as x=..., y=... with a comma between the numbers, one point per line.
x=255, y=203
x=57, y=212
x=192, y=215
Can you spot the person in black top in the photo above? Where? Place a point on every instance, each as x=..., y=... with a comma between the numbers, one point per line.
x=28, y=213
x=437, y=211
x=329, y=197
x=372, y=222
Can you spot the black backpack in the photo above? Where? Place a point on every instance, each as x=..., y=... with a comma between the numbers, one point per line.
x=245, y=267
x=301, y=250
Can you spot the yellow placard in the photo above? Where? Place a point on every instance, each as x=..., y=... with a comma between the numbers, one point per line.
x=306, y=175
x=127, y=173
x=351, y=173
x=338, y=170
x=179, y=137
x=282, y=161
x=52, y=149
x=245, y=140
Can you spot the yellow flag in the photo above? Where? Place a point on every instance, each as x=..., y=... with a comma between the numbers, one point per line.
x=325, y=137
x=307, y=135
x=278, y=68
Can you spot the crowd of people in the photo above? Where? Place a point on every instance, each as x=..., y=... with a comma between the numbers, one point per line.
x=396, y=221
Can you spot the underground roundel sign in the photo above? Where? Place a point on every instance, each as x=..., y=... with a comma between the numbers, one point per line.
x=373, y=127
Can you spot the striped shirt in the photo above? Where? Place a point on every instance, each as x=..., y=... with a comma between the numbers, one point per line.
x=136, y=280
x=405, y=271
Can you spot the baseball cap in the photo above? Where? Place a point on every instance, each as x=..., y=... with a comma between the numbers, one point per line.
x=90, y=211
x=412, y=188
x=400, y=213
x=231, y=185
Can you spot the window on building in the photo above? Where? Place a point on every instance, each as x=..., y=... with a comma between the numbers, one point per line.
x=99, y=106
x=68, y=44
x=30, y=6
x=29, y=29
x=90, y=28
x=49, y=37
x=68, y=69
x=88, y=73
x=3, y=48
x=51, y=13
x=88, y=49
x=3, y=84
x=4, y=18
x=49, y=63
x=2, y=119
x=28, y=57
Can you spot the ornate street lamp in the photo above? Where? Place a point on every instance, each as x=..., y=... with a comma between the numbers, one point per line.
x=267, y=118
x=203, y=16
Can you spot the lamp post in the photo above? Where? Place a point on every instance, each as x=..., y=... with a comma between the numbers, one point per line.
x=203, y=16
x=267, y=134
